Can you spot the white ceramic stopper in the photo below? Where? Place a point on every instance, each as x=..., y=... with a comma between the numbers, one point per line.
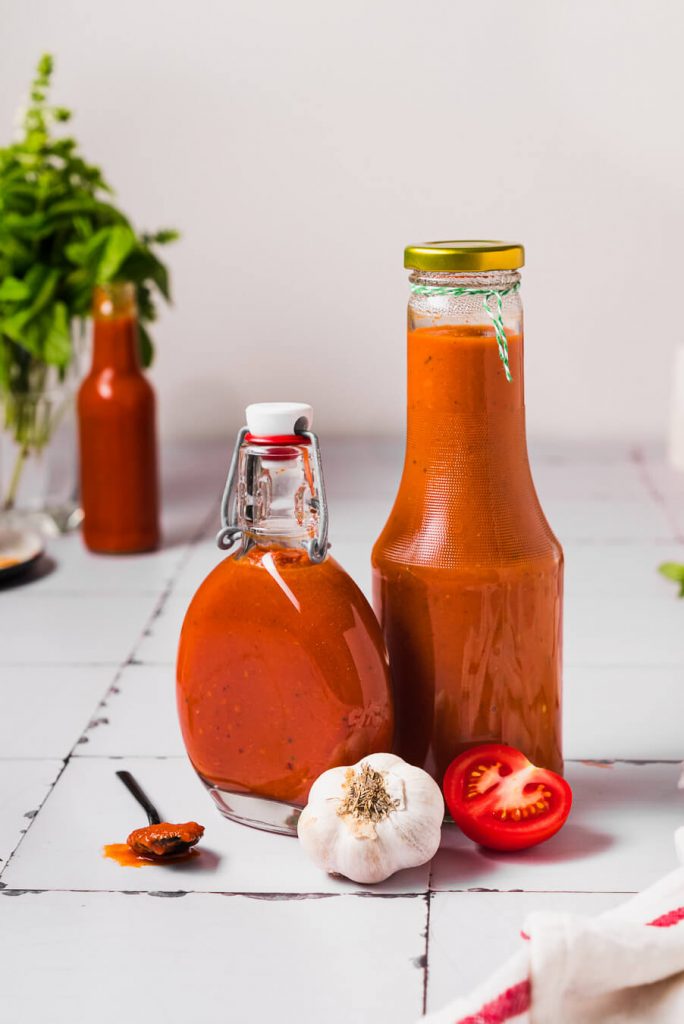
x=266, y=419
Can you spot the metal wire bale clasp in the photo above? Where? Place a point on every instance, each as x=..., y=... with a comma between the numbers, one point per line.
x=231, y=532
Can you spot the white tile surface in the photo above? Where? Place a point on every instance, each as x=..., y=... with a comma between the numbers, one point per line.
x=137, y=717
x=472, y=933
x=23, y=788
x=355, y=558
x=663, y=478
x=66, y=636
x=611, y=521
x=357, y=519
x=111, y=957
x=604, y=717
x=588, y=481
x=606, y=570
x=59, y=629
x=77, y=570
x=64, y=848
x=624, y=628
x=617, y=839
x=159, y=642
x=46, y=707
x=579, y=453
x=368, y=467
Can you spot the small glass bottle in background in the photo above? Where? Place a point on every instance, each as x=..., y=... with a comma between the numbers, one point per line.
x=117, y=433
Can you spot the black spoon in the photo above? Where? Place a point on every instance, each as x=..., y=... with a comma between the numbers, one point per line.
x=159, y=838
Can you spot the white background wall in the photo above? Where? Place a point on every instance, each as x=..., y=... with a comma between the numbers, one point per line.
x=299, y=145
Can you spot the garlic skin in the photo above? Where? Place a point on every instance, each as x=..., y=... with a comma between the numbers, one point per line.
x=371, y=819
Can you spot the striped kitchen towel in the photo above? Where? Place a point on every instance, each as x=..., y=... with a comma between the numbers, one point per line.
x=623, y=966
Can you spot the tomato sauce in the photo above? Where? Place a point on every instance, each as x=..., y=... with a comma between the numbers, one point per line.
x=125, y=857
x=467, y=572
x=117, y=433
x=164, y=839
x=282, y=674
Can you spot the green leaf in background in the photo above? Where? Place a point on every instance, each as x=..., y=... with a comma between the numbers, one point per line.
x=146, y=346
x=673, y=571
x=13, y=290
x=120, y=241
x=61, y=236
x=57, y=347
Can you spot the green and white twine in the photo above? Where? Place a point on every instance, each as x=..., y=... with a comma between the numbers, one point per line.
x=495, y=314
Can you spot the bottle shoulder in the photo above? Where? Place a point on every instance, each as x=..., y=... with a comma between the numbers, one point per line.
x=259, y=564
x=467, y=539
x=108, y=387
x=269, y=597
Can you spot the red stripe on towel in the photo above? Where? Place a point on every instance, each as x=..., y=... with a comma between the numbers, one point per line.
x=513, y=1001
x=667, y=920
x=517, y=999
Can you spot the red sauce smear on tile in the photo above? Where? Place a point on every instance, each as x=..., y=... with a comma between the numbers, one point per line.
x=123, y=855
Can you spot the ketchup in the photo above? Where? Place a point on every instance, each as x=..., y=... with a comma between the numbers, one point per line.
x=117, y=433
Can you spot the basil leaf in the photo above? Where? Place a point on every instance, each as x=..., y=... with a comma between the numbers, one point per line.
x=146, y=346
x=13, y=290
x=672, y=571
x=120, y=242
x=57, y=347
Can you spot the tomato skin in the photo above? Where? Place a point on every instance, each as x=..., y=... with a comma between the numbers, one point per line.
x=502, y=801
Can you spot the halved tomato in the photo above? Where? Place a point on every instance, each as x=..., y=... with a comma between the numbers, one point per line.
x=502, y=801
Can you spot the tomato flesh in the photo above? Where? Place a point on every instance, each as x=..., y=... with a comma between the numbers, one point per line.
x=502, y=801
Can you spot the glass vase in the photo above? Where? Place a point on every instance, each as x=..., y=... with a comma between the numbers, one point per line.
x=38, y=459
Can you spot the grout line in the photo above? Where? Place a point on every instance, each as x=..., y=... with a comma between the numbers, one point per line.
x=640, y=761
x=23, y=835
x=163, y=598
x=275, y=897
x=426, y=966
x=282, y=896
x=542, y=892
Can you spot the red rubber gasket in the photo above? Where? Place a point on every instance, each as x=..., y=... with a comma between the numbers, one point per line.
x=277, y=439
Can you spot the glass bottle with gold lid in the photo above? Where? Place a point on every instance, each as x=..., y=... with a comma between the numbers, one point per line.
x=467, y=573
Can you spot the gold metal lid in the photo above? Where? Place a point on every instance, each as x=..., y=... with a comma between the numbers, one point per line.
x=464, y=257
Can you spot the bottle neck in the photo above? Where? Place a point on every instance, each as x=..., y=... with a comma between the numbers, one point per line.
x=277, y=495
x=461, y=406
x=115, y=329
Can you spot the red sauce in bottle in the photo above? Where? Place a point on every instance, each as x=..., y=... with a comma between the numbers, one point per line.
x=468, y=576
x=117, y=433
x=282, y=674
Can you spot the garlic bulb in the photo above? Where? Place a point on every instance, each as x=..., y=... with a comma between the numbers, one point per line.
x=370, y=820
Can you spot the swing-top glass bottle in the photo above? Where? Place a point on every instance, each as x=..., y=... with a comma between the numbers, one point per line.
x=282, y=669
